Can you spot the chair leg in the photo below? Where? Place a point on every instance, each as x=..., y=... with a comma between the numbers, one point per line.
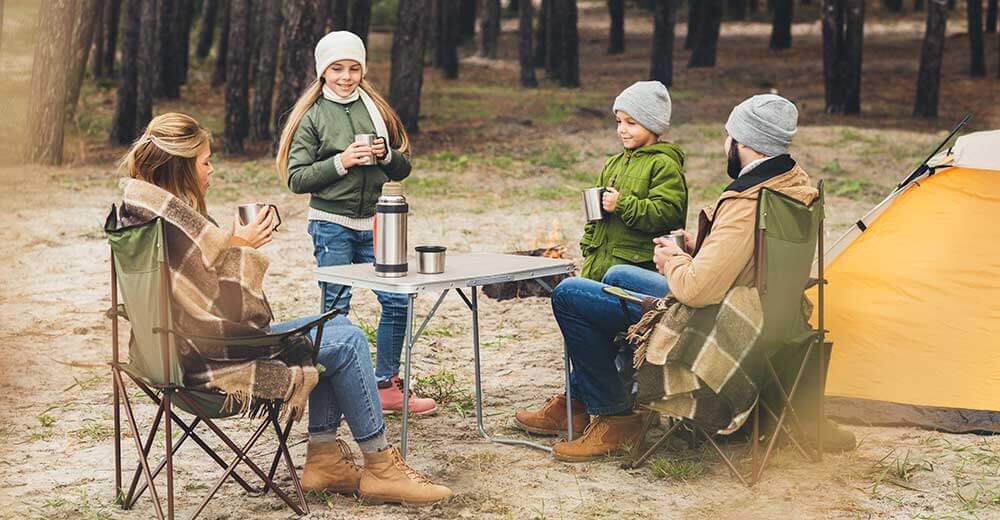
x=131, y=497
x=133, y=427
x=638, y=462
x=283, y=450
x=787, y=396
x=119, y=498
x=787, y=432
x=724, y=458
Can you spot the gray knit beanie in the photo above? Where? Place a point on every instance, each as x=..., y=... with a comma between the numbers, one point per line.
x=648, y=102
x=765, y=123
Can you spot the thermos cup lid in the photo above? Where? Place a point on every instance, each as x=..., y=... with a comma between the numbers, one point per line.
x=392, y=189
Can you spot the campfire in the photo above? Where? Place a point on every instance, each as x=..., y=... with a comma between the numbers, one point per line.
x=548, y=246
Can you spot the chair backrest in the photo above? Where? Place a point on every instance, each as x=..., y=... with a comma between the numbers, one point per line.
x=139, y=254
x=787, y=233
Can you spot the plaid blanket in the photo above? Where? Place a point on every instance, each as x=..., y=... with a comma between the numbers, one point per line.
x=217, y=291
x=700, y=363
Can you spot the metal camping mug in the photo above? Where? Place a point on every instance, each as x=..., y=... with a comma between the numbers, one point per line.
x=367, y=140
x=430, y=259
x=249, y=212
x=593, y=207
x=678, y=239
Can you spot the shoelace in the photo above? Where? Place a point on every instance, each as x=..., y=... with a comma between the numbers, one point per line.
x=399, y=385
x=348, y=456
x=397, y=461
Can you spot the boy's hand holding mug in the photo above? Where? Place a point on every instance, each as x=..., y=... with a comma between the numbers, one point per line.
x=610, y=199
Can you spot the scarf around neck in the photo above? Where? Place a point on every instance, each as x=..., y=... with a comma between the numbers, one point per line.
x=380, y=129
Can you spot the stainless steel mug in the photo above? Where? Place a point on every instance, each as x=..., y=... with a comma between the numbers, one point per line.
x=248, y=212
x=593, y=207
x=430, y=259
x=367, y=140
x=679, y=240
x=390, y=231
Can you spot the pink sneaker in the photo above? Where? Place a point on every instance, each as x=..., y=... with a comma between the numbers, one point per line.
x=390, y=393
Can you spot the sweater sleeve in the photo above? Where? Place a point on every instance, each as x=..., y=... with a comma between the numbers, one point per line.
x=306, y=172
x=664, y=208
x=705, y=279
x=398, y=167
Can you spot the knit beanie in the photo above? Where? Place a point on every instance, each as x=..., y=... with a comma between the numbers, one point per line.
x=765, y=123
x=336, y=46
x=648, y=102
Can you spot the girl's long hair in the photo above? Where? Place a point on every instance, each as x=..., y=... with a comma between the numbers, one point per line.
x=165, y=155
x=398, y=139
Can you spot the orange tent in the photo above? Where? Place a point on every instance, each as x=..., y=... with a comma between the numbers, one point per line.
x=913, y=300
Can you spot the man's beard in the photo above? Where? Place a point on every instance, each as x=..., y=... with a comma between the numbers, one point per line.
x=733, y=164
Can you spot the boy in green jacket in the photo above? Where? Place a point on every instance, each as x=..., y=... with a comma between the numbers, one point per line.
x=646, y=193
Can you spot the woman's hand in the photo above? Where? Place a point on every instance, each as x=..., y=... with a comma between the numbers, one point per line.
x=256, y=233
x=610, y=199
x=355, y=154
x=379, y=148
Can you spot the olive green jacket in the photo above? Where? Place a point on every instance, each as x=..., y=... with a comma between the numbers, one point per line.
x=327, y=129
x=653, y=202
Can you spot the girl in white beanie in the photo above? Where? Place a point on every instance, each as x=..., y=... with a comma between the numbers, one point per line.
x=318, y=155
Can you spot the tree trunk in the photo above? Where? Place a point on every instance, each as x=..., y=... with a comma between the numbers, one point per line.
x=893, y=6
x=297, y=64
x=525, y=51
x=661, y=60
x=187, y=12
x=951, y=4
x=843, y=35
x=407, y=75
x=338, y=15
x=361, y=18
x=489, y=29
x=170, y=27
x=49, y=71
x=97, y=62
x=991, y=16
x=467, y=19
x=977, y=51
x=553, y=39
x=206, y=27
x=918, y=5
x=931, y=54
x=87, y=17
x=616, y=41
x=753, y=5
x=112, y=13
x=148, y=52
x=123, y=125
x=541, y=34
x=696, y=11
x=705, y=45
x=569, y=64
x=237, y=85
x=737, y=9
x=448, y=36
x=267, y=67
x=222, y=49
x=781, y=27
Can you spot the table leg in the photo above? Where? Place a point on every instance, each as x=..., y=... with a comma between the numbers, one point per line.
x=410, y=341
x=474, y=307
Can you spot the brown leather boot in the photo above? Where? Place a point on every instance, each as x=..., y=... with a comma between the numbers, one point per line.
x=387, y=478
x=551, y=418
x=330, y=467
x=605, y=435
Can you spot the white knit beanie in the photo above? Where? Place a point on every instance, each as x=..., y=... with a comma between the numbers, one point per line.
x=339, y=45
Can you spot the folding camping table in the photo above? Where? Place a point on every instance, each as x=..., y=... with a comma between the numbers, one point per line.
x=462, y=271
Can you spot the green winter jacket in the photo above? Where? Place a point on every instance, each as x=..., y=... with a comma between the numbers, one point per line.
x=327, y=129
x=653, y=202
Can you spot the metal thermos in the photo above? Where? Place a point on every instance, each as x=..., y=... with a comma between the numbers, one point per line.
x=390, y=231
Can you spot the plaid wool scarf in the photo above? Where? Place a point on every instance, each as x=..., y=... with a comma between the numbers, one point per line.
x=217, y=292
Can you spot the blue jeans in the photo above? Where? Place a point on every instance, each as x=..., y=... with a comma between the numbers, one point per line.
x=347, y=386
x=589, y=320
x=334, y=244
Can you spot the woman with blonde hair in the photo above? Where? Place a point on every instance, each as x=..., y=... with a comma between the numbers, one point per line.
x=318, y=155
x=217, y=290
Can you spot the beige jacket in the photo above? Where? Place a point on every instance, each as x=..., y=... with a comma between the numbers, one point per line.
x=724, y=257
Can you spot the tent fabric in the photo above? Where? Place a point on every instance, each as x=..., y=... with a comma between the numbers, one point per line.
x=912, y=300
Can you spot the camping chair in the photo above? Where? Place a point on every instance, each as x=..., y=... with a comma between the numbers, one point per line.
x=140, y=271
x=787, y=235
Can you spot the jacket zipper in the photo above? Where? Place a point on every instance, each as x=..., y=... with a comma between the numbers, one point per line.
x=628, y=157
x=364, y=178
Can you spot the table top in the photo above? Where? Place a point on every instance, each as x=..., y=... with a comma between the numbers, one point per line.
x=460, y=270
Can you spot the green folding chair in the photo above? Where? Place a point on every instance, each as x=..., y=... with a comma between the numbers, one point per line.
x=788, y=235
x=140, y=271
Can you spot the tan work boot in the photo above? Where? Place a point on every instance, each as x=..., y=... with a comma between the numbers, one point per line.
x=605, y=435
x=330, y=467
x=551, y=418
x=387, y=478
